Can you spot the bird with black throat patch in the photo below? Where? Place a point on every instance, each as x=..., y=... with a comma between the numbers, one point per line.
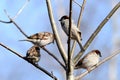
x=75, y=32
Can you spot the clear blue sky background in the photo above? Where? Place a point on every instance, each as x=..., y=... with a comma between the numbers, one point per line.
x=34, y=18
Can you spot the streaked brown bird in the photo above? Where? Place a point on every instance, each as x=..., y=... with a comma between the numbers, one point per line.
x=33, y=54
x=41, y=39
x=89, y=60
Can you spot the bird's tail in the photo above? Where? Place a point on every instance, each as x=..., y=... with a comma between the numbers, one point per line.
x=29, y=40
x=78, y=65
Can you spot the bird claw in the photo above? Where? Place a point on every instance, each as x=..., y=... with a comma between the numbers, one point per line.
x=88, y=69
x=96, y=65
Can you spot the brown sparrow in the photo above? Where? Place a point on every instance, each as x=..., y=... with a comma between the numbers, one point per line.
x=33, y=54
x=89, y=60
x=41, y=39
x=75, y=32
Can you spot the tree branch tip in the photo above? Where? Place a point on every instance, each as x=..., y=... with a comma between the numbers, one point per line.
x=5, y=11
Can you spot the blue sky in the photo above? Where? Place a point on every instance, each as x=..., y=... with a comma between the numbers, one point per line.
x=34, y=18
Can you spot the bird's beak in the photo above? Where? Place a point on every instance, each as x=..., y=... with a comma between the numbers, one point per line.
x=100, y=55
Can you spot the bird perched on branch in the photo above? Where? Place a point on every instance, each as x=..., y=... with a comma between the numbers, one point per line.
x=75, y=32
x=89, y=60
x=41, y=39
x=33, y=54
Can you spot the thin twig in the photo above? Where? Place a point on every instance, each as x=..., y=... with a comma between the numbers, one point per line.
x=57, y=38
x=101, y=62
x=45, y=71
x=13, y=51
x=21, y=9
x=77, y=3
x=53, y=57
x=70, y=70
x=37, y=66
x=78, y=24
x=54, y=28
x=76, y=59
x=81, y=13
x=12, y=21
x=7, y=22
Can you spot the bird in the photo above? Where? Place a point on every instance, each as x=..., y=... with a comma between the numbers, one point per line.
x=89, y=60
x=41, y=39
x=75, y=32
x=33, y=54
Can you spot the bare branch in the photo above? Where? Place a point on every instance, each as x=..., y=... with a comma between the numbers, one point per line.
x=13, y=51
x=37, y=66
x=81, y=13
x=101, y=62
x=58, y=41
x=7, y=22
x=78, y=24
x=54, y=57
x=70, y=71
x=12, y=21
x=76, y=59
x=21, y=9
x=77, y=3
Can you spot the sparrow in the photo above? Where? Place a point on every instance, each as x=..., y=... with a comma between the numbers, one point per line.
x=41, y=39
x=75, y=32
x=89, y=60
x=33, y=54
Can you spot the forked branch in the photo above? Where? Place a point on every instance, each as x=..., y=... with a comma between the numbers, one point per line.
x=37, y=66
x=12, y=21
x=92, y=37
x=54, y=57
